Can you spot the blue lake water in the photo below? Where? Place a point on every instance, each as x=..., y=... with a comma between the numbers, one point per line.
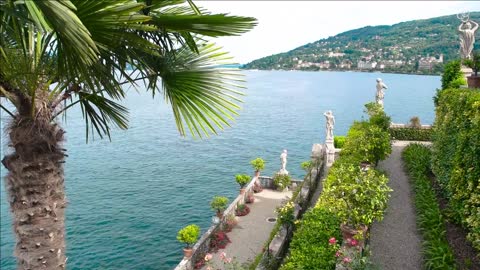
x=129, y=197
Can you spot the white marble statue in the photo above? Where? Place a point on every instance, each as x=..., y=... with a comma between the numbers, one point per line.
x=283, y=160
x=380, y=95
x=467, y=36
x=329, y=126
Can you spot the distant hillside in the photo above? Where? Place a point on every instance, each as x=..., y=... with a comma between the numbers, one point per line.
x=408, y=47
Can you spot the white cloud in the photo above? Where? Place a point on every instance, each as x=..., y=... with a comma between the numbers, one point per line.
x=285, y=25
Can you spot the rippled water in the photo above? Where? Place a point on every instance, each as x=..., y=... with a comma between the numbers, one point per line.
x=129, y=197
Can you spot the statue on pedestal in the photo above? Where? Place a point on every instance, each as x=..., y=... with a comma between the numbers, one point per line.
x=329, y=127
x=467, y=35
x=283, y=160
x=380, y=92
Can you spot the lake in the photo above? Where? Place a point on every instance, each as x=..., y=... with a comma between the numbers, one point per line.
x=129, y=197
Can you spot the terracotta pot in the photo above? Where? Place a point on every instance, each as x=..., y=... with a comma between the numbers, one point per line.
x=473, y=81
x=187, y=252
x=242, y=191
x=257, y=173
x=220, y=215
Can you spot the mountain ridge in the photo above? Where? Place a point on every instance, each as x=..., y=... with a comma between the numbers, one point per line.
x=418, y=46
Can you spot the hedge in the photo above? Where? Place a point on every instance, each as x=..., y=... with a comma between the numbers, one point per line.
x=411, y=134
x=456, y=155
x=437, y=253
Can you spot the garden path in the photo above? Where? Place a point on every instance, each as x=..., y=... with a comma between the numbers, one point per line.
x=253, y=230
x=395, y=241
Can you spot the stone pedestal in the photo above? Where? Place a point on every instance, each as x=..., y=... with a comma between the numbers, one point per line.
x=283, y=171
x=466, y=72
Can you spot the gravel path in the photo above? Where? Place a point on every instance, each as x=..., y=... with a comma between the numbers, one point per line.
x=395, y=241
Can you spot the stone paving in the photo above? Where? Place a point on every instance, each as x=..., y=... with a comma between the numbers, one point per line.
x=252, y=230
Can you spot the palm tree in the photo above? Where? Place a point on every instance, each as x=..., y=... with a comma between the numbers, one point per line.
x=58, y=54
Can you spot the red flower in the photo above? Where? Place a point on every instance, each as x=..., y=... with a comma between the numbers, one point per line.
x=353, y=242
x=332, y=241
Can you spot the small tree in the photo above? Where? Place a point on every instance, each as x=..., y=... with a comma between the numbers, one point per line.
x=258, y=164
x=242, y=179
x=415, y=122
x=189, y=235
x=219, y=203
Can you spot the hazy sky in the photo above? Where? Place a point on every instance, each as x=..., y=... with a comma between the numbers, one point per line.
x=285, y=25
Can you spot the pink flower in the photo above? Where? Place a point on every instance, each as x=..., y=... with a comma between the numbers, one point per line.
x=338, y=253
x=332, y=241
x=353, y=242
x=349, y=240
x=209, y=268
x=347, y=260
x=208, y=257
x=223, y=255
x=228, y=260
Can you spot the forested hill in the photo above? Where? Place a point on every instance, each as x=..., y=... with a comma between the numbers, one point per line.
x=407, y=47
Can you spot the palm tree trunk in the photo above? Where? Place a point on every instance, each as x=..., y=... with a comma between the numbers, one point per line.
x=36, y=192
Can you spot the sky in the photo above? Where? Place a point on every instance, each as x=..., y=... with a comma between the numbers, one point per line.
x=285, y=25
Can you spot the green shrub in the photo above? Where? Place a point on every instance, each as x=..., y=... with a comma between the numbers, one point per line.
x=189, y=235
x=452, y=71
x=367, y=142
x=357, y=197
x=309, y=249
x=285, y=213
x=282, y=181
x=258, y=164
x=436, y=250
x=456, y=155
x=306, y=165
x=377, y=116
x=411, y=134
x=219, y=203
x=242, y=179
x=415, y=122
x=338, y=141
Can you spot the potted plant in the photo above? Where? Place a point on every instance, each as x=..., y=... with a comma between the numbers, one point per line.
x=250, y=198
x=473, y=81
x=189, y=236
x=219, y=204
x=281, y=181
x=258, y=165
x=242, y=210
x=242, y=180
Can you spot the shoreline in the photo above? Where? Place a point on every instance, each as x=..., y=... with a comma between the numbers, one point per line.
x=340, y=70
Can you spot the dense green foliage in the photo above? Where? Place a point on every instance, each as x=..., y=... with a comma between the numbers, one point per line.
x=456, y=155
x=403, y=41
x=219, y=203
x=436, y=250
x=242, y=179
x=281, y=181
x=452, y=76
x=189, y=234
x=338, y=141
x=473, y=63
x=309, y=249
x=357, y=197
x=367, y=142
x=306, y=165
x=411, y=134
x=258, y=164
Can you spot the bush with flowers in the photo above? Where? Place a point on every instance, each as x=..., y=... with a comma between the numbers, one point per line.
x=219, y=240
x=229, y=263
x=286, y=214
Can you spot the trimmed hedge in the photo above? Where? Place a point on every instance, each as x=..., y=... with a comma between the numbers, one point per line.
x=309, y=249
x=436, y=250
x=411, y=134
x=456, y=155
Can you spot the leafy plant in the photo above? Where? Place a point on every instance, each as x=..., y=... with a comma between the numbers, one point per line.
x=357, y=197
x=377, y=115
x=219, y=203
x=242, y=210
x=281, y=181
x=306, y=165
x=258, y=164
x=411, y=134
x=189, y=235
x=286, y=214
x=473, y=63
x=338, y=141
x=436, y=250
x=242, y=179
x=452, y=71
x=310, y=248
x=219, y=240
